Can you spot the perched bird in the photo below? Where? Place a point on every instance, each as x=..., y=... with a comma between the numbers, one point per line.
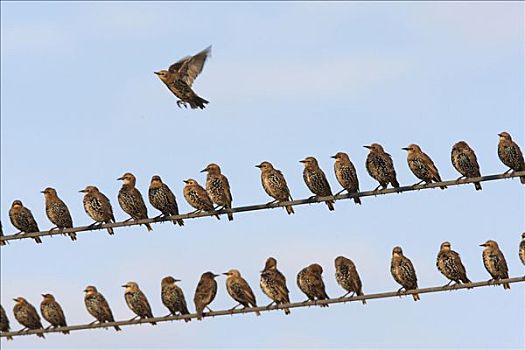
x=422, y=166
x=495, y=262
x=98, y=207
x=380, y=166
x=97, y=306
x=449, y=264
x=57, y=212
x=27, y=316
x=218, y=188
x=137, y=301
x=52, y=312
x=310, y=282
x=23, y=220
x=275, y=185
x=347, y=277
x=522, y=248
x=273, y=284
x=173, y=297
x=510, y=154
x=205, y=293
x=465, y=161
x=346, y=175
x=403, y=272
x=4, y=322
x=180, y=76
x=161, y=198
x=197, y=197
x=316, y=181
x=239, y=290
x=131, y=201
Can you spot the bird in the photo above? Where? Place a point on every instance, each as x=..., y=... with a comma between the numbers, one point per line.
x=23, y=220
x=495, y=262
x=52, y=312
x=97, y=306
x=380, y=166
x=218, y=187
x=403, y=272
x=239, y=290
x=137, y=301
x=347, y=276
x=274, y=184
x=26, y=315
x=465, y=161
x=162, y=199
x=346, y=175
x=273, y=284
x=98, y=207
x=197, y=197
x=131, y=201
x=4, y=322
x=522, y=248
x=422, y=165
x=205, y=293
x=173, y=297
x=57, y=212
x=316, y=181
x=510, y=154
x=180, y=76
x=449, y=264
x=310, y=282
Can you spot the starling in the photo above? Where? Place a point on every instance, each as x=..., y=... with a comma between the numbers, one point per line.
x=522, y=248
x=380, y=166
x=137, y=301
x=510, y=154
x=23, y=220
x=347, y=277
x=180, y=76
x=162, y=199
x=218, y=188
x=316, y=181
x=98, y=207
x=52, y=312
x=97, y=306
x=403, y=272
x=273, y=284
x=57, y=212
x=205, y=292
x=173, y=297
x=4, y=322
x=27, y=316
x=346, y=174
x=275, y=185
x=494, y=262
x=239, y=290
x=449, y=264
x=197, y=197
x=131, y=201
x=310, y=282
x=465, y=161
x=422, y=166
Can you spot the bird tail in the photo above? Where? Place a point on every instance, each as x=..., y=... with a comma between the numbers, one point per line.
x=37, y=239
x=330, y=205
x=478, y=186
x=197, y=102
x=506, y=286
x=73, y=236
x=357, y=200
x=117, y=328
x=522, y=179
x=110, y=230
x=148, y=226
x=41, y=335
x=289, y=210
x=415, y=296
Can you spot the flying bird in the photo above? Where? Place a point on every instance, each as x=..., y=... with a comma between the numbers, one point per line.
x=465, y=161
x=137, y=301
x=218, y=187
x=346, y=175
x=27, y=316
x=57, y=212
x=316, y=181
x=380, y=166
x=97, y=306
x=98, y=207
x=495, y=262
x=4, y=322
x=273, y=284
x=239, y=290
x=173, y=297
x=23, y=219
x=162, y=199
x=130, y=199
x=274, y=184
x=52, y=312
x=347, y=277
x=197, y=197
x=205, y=293
x=403, y=272
x=449, y=264
x=510, y=154
x=422, y=165
x=310, y=282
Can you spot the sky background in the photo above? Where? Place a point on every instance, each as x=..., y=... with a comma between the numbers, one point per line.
x=81, y=106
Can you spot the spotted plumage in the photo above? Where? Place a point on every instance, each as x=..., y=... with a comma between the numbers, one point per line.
x=4, y=322
x=137, y=301
x=510, y=154
x=98, y=207
x=465, y=162
x=380, y=166
x=273, y=284
x=495, y=262
x=97, y=306
x=449, y=264
x=316, y=180
x=130, y=199
x=310, y=282
x=218, y=188
x=173, y=297
x=57, y=212
x=422, y=165
x=162, y=199
x=346, y=175
x=197, y=197
x=205, y=292
x=22, y=218
x=274, y=184
x=239, y=289
x=52, y=312
x=26, y=315
x=522, y=248
x=403, y=272
x=347, y=276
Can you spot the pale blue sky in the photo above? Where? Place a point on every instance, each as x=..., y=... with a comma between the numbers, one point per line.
x=81, y=105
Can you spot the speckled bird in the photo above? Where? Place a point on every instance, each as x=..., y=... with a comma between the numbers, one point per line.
x=97, y=306
x=180, y=76
x=380, y=166
x=52, y=312
x=218, y=187
x=403, y=272
x=449, y=264
x=465, y=161
x=346, y=175
x=274, y=184
x=510, y=154
x=495, y=262
x=310, y=282
x=162, y=199
x=27, y=316
x=137, y=301
x=57, y=212
x=98, y=207
x=173, y=297
x=239, y=290
x=23, y=220
x=422, y=165
x=131, y=201
x=273, y=284
x=4, y=322
x=347, y=276
x=522, y=248
x=205, y=293
x=197, y=197
x=316, y=180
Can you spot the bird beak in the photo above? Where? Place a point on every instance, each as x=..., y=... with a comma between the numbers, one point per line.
x=204, y=170
x=367, y=147
x=158, y=73
x=405, y=148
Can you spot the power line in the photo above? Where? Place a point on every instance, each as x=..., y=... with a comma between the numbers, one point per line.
x=310, y=200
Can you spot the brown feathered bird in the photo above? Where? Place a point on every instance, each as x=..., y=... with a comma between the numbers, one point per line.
x=57, y=212
x=274, y=184
x=403, y=272
x=218, y=187
x=27, y=316
x=346, y=175
x=98, y=207
x=131, y=201
x=273, y=284
x=97, y=306
x=422, y=166
x=173, y=297
x=380, y=166
x=449, y=264
x=316, y=180
x=465, y=161
x=310, y=282
x=205, y=293
x=495, y=262
x=4, y=322
x=510, y=154
x=239, y=290
x=347, y=276
x=52, y=312
x=197, y=197
x=162, y=199
x=137, y=301
x=180, y=76
x=522, y=248
x=23, y=220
